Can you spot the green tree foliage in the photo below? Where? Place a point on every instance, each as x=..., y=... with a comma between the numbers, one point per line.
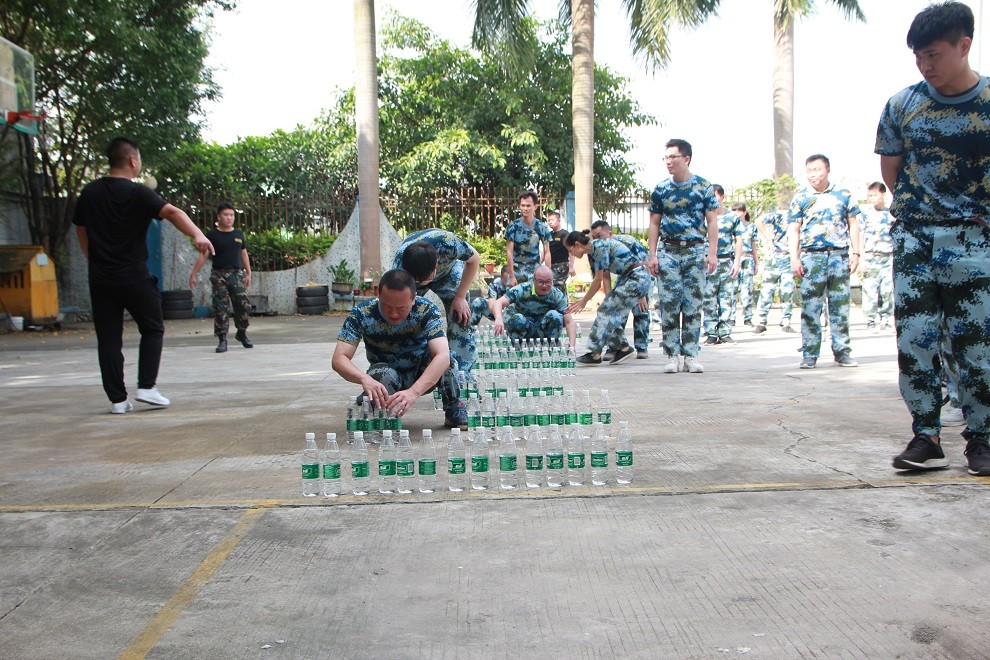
x=127, y=67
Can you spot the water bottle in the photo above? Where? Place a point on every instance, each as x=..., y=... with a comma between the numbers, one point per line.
x=599, y=456
x=368, y=421
x=543, y=413
x=353, y=416
x=508, y=477
x=331, y=467
x=479, y=461
x=575, y=456
x=405, y=471
x=605, y=412
x=473, y=411
x=555, y=457
x=360, y=466
x=624, y=455
x=310, y=467
x=428, y=462
x=456, y=462
x=386, y=464
x=586, y=411
x=570, y=407
x=516, y=415
x=534, y=458
x=437, y=396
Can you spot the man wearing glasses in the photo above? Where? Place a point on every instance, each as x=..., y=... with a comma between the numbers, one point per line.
x=683, y=215
x=540, y=310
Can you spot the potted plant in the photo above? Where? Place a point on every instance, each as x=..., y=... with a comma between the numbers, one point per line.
x=376, y=276
x=343, y=278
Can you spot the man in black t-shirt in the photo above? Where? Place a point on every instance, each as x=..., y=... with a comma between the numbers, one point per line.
x=112, y=216
x=561, y=262
x=230, y=279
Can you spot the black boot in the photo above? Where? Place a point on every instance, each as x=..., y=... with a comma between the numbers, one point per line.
x=242, y=337
x=222, y=345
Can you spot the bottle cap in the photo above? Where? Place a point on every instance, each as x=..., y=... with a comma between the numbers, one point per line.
x=331, y=436
x=428, y=433
x=311, y=436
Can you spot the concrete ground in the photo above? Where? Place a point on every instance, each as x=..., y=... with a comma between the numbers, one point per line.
x=764, y=519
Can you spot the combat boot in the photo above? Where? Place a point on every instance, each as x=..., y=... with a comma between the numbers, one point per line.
x=222, y=344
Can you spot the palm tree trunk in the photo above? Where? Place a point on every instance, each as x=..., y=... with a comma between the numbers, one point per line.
x=583, y=104
x=783, y=97
x=366, y=118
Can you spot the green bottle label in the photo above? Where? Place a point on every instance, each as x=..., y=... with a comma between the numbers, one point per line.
x=548, y=390
x=479, y=464
x=352, y=425
x=605, y=417
x=623, y=459
x=428, y=466
x=599, y=459
x=331, y=470
x=474, y=421
x=575, y=461
x=502, y=420
x=310, y=470
x=364, y=425
x=572, y=418
x=529, y=420
x=360, y=469
x=396, y=424
x=507, y=463
x=455, y=466
x=488, y=421
x=586, y=418
x=516, y=420
x=436, y=394
x=555, y=461
x=543, y=420
x=378, y=424
x=386, y=468
x=534, y=391
x=560, y=419
x=404, y=468
x=534, y=461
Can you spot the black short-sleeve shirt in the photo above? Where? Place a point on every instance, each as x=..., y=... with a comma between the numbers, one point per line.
x=228, y=246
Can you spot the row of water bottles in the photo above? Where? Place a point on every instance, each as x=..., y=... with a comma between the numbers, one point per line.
x=371, y=420
x=499, y=354
x=558, y=458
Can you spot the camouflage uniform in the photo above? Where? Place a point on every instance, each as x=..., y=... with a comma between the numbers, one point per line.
x=452, y=252
x=399, y=354
x=535, y=316
x=720, y=286
x=641, y=319
x=823, y=218
x=941, y=247
x=777, y=271
x=878, y=275
x=229, y=283
x=747, y=269
x=681, y=256
x=632, y=284
x=526, y=246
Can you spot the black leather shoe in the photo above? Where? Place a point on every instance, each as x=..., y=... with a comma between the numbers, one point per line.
x=242, y=337
x=222, y=345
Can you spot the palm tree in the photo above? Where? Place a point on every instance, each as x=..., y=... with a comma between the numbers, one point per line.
x=366, y=119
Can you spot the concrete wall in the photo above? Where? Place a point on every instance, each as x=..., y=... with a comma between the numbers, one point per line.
x=14, y=228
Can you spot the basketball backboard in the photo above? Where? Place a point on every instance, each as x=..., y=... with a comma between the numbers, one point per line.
x=17, y=88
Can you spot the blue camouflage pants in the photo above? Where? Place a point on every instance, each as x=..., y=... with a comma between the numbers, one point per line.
x=943, y=272
x=607, y=330
x=519, y=326
x=878, y=286
x=395, y=379
x=461, y=337
x=682, y=275
x=747, y=270
x=777, y=275
x=229, y=299
x=641, y=327
x=720, y=299
x=826, y=276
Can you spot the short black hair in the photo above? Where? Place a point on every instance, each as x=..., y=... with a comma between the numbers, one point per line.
x=601, y=223
x=718, y=189
x=739, y=206
x=821, y=157
x=398, y=279
x=877, y=185
x=119, y=150
x=532, y=195
x=582, y=237
x=681, y=145
x=505, y=270
x=554, y=213
x=420, y=259
x=944, y=21
x=225, y=206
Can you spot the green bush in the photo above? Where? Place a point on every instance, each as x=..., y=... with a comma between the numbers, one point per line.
x=281, y=249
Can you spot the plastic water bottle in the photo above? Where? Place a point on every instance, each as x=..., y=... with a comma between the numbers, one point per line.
x=437, y=396
x=353, y=416
x=360, y=466
x=534, y=458
x=624, y=455
x=479, y=461
x=575, y=456
x=405, y=470
x=310, y=467
x=473, y=411
x=456, y=462
x=331, y=467
x=599, y=456
x=570, y=407
x=386, y=464
x=555, y=457
x=428, y=462
x=586, y=411
x=508, y=476
x=605, y=412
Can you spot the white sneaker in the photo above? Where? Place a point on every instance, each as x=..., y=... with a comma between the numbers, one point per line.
x=151, y=396
x=121, y=408
x=673, y=365
x=692, y=366
x=952, y=416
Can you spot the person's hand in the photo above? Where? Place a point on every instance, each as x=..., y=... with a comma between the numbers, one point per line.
x=576, y=306
x=512, y=281
x=644, y=304
x=500, y=327
x=734, y=273
x=653, y=265
x=460, y=311
x=854, y=263
x=711, y=262
x=797, y=268
x=400, y=402
x=192, y=281
x=203, y=245
x=247, y=280
x=375, y=391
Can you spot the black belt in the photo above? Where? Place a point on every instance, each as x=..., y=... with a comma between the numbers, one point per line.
x=668, y=241
x=628, y=271
x=725, y=256
x=825, y=249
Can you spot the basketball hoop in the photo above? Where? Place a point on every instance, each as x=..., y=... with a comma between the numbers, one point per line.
x=15, y=116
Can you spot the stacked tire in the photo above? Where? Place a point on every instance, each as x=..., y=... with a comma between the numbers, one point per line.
x=312, y=299
x=178, y=304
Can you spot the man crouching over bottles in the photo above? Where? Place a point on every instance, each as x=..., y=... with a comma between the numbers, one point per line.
x=406, y=348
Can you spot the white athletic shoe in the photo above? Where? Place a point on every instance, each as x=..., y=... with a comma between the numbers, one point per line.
x=692, y=366
x=673, y=365
x=152, y=396
x=122, y=407
x=952, y=416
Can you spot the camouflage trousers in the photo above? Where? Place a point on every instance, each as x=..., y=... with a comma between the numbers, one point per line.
x=641, y=327
x=395, y=380
x=878, y=286
x=561, y=272
x=524, y=272
x=229, y=299
x=609, y=325
x=777, y=275
x=682, y=294
x=460, y=336
x=520, y=326
x=942, y=272
x=747, y=270
x=720, y=299
x=826, y=277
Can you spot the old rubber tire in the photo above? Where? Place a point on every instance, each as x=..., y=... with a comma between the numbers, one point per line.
x=313, y=301
x=174, y=314
x=311, y=309
x=178, y=294
x=176, y=305
x=312, y=291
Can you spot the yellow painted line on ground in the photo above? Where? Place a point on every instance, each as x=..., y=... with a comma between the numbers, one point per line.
x=148, y=638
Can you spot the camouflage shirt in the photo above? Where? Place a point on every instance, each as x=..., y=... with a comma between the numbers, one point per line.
x=526, y=241
x=449, y=246
x=682, y=208
x=611, y=255
x=875, y=229
x=749, y=233
x=729, y=227
x=945, y=145
x=402, y=345
x=776, y=222
x=497, y=289
x=823, y=217
x=532, y=305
